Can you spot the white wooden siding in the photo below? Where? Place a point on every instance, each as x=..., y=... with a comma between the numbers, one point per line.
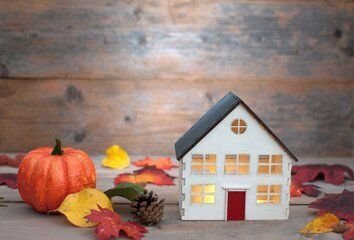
x=221, y=140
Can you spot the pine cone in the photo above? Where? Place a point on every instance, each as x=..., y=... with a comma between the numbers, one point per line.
x=147, y=209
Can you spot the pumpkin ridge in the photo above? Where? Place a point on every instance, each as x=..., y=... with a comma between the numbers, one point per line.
x=30, y=199
x=36, y=165
x=66, y=174
x=46, y=184
x=85, y=167
x=23, y=169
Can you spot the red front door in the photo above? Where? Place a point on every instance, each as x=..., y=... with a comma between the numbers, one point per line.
x=236, y=205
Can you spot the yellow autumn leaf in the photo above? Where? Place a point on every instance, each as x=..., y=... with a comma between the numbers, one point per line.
x=116, y=157
x=78, y=205
x=324, y=223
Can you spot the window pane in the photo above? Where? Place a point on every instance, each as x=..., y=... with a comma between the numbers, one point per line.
x=230, y=169
x=234, y=123
x=276, y=169
x=238, y=126
x=242, y=123
x=262, y=189
x=242, y=129
x=210, y=169
x=196, y=188
x=263, y=169
x=261, y=199
x=276, y=158
x=209, y=199
x=210, y=158
x=243, y=169
x=231, y=159
x=197, y=169
x=274, y=199
x=197, y=158
x=234, y=129
x=275, y=188
x=263, y=159
x=210, y=188
x=243, y=158
x=196, y=199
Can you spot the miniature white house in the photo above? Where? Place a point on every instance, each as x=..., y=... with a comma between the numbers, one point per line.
x=233, y=167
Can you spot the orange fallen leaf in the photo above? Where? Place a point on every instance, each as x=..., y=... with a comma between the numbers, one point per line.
x=324, y=223
x=160, y=163
x=146, y=175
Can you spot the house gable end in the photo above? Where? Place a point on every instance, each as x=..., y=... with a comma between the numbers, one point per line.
x=212, y=118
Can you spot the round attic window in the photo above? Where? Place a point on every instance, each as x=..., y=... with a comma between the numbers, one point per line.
x=238, y=126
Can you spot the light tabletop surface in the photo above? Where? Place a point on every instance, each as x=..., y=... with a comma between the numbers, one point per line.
x=19, y=221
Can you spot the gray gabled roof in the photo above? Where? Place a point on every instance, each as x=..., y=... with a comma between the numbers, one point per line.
x=211, y=119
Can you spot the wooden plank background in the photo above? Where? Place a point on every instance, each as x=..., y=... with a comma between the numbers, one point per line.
x=140, y=73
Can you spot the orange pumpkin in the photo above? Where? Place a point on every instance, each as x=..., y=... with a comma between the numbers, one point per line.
x=47, y=175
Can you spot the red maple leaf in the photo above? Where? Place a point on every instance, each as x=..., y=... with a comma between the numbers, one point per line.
x=349, y=233
x=334, y=174
x=110, y=224
x=9, y=179
x=160, y=163
x=12, y=162
x=298, y=187
x=146, y=175
x=341, y=205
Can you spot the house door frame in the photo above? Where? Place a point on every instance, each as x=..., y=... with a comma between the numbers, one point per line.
x=227, y=190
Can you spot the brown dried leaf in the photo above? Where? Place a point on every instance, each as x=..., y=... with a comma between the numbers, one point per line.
x=9, y=179
x=12, y=162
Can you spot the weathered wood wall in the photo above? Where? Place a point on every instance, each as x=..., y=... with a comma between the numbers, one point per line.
x=139, y=73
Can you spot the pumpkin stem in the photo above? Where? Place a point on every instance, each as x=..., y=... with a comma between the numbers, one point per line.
x=57, y=148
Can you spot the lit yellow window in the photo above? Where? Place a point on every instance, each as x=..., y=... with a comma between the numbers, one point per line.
x=270, y=164
x=203, y=164
x=268, y=194
x=203, y=193
x=210, y=188
x=197, y=164
x=237, y=164
x=238, y=126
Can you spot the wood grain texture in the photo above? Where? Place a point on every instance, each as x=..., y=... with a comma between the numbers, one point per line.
x=35, y=225
x=147, y=117
x=155, y=39
x=18, y=221
x=139, y=73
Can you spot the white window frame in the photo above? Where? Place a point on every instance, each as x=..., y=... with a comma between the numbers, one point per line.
x=238, y=127
x=270, y=164
x=202, y=194
x=204, y=164
x=268, y=194
x=237, y=164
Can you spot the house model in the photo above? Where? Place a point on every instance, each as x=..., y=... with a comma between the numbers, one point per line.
x=233, y=167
